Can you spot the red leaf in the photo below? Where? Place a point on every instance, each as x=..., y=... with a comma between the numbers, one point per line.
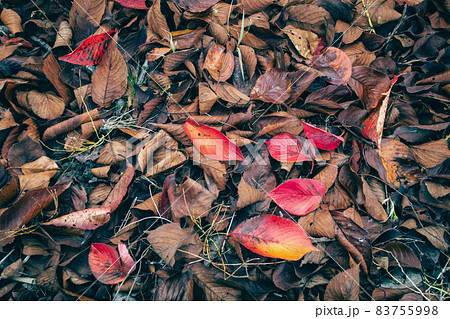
x=135, y=4
x=320, y=138
x=287, y=149
x=298, y=196
x=274, y=237
x=106, y=265
x=335, y=64
x=91, y=218
x=211, y=143
x=274, y=86
x=128, y=264
x=91, y=50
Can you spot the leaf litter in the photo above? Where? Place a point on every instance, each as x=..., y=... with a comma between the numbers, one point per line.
x=203, y=150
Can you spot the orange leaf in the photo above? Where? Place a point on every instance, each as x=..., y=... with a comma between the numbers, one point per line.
x=274, y=237
x=218, y=63
x=298, y=196
x=211, y=143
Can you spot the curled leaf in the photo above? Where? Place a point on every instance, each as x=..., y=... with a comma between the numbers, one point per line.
x=274, y=237
x=274, y=86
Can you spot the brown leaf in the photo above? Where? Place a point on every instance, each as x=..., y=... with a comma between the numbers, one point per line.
x=179, y=287
x=358, y=54
x=432, y=153
x=120, y=189
x=249, y=59
x=305, y=42
x=52, y=70
x=436, y=236
x=157, y=23
x=400, y=255
x=206, y=98
x=9, y=186
x=344, y=286
x=335, y=64
x=45, y=105
x=190, y=199
x=229, y=93
x=214, y=290
x=252, y=6
x=373, y=206
x=318, y=223
x=354, y=238
x=90, y=10
x=109, y=80
x=11, y=20
x=274, y=86
x=167, y=239
x=369, y=85
x=220, y=64
x=31, y=204
x=64, y=35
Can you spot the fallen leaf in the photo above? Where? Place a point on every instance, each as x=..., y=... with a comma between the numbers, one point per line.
x=91, y=50
x=344, y=286
x=274, y=86
x=287, y=148
x=274, y=237
x=320, y=138
x=90, y=219
x=335, y=64
x=298, y=196
x=211, y=142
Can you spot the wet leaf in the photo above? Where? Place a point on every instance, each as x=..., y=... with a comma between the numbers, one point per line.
x=274, y=237
x=211, y=142
x=91, y=50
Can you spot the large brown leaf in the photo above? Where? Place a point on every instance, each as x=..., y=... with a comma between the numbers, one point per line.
x=344, y=286
x=109, y=80
x=31, y=204
x=120, y=189
x=274, y=86
x=335, y=64
x=369, y=85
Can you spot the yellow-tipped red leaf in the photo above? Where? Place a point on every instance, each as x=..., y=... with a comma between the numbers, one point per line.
x=298, y=196
x=106, y=264
x=274, y=237
x=211, y=143
x=90, y=219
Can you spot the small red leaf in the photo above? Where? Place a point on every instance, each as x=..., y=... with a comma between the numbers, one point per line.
x=128, y=264
x=134, y=4
x=298, y=196
x=91, y=218
x=91, y=50
x=320, y=138
x=211, y=143
x=287, y=148
x=106, y=264
x=274, y=237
